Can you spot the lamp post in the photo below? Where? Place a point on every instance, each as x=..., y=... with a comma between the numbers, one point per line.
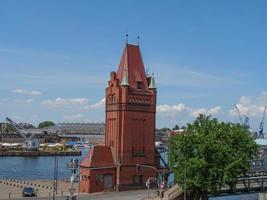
x=160, y=182
x=185, y=154
x=72, y=178
x=55, y=177
x=148, y=184
x=185, y=181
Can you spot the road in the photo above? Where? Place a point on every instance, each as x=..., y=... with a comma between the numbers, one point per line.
x=13, y=188
x=125, y=195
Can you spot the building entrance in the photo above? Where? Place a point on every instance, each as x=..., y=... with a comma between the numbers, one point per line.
x=108, y=181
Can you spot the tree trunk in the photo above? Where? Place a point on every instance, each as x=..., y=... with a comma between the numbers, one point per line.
x=196, y=195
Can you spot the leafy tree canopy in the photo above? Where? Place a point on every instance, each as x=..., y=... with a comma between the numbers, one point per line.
x=46, y=124
x=6, y=128
x=210, y=155
x=176, y=127
x=165, y=129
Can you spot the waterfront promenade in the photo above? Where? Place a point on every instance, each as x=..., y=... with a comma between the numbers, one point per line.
x=13, y=188
x=43, y=194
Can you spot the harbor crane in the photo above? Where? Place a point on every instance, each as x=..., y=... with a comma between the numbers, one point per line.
x=244, y=119
x=260, y=133
x=30, y=142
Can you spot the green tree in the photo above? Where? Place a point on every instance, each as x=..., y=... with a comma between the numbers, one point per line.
x=46, y=124
x=176, y=127
x=6, y=128
x=210, y=155
x=164, y=129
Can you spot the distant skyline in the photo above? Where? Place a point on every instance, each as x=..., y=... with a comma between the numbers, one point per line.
x=56, y=57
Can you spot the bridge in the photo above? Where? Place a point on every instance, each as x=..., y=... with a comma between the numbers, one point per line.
x=253, y=181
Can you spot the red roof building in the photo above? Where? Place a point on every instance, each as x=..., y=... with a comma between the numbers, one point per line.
x=130, y=125
x=93, y=158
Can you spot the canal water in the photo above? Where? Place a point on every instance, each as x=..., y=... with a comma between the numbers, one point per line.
x=39, y=167
x=42, y=167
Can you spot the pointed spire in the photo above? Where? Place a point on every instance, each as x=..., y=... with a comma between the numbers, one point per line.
x=125, y=80
x=152, y=84
x=132, y=65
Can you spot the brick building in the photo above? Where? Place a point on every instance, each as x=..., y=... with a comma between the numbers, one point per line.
x=130, y=130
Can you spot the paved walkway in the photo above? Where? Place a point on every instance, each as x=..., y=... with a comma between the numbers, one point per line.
x=13, y=188
x=127, y=195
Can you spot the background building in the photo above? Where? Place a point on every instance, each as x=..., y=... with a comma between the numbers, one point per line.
x=62, y=132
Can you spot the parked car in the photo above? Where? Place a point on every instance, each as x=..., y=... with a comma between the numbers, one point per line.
x=28, y=192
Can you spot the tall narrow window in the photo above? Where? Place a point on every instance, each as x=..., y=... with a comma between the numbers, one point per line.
x=139, y=84
x=141, y=179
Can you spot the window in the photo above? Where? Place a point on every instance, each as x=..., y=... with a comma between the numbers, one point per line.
x=141, y=179
x=99, y=179
x=84, y=177
x=135, y=179
x=139, y=84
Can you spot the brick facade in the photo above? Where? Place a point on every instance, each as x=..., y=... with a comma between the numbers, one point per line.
x=130, y=126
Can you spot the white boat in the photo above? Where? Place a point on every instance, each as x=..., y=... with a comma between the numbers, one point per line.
x=80, y=145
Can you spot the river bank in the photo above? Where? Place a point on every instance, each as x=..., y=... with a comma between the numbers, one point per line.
x=40, y=153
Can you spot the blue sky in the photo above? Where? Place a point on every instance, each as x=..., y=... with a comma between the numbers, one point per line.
x=56, y=56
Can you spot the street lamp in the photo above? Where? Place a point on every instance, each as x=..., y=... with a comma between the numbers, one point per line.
x=148, y=184
x=72, y=178
x=160, y=182
x=185, y=181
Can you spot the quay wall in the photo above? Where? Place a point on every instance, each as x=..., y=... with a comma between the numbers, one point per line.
x=39, y=153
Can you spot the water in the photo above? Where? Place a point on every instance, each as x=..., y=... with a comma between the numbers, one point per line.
x=31, y=168
x=42, y=167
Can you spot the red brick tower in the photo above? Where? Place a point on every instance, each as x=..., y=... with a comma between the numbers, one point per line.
x=130, y=118
x=130, y=130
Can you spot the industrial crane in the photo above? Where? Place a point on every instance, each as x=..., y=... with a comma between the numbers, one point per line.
x=244, y=119
x=261, y=134
x=30, y=141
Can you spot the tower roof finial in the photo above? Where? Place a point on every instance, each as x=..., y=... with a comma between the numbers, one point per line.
x=138, y=38
x=126, y=35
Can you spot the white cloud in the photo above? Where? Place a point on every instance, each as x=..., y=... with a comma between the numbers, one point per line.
x=27, y=92
x=212, y=111
x=215, y=110
x=73, y=117
x=195, y=112
x=251, y=105
x=16, y=118
x=81, y=103
x=182, y=108
x=29, y=100
x=99, y=104
x=171, y=108
x=62, y=102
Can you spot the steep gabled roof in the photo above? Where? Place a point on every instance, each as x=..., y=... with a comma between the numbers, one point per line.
x=131, y=65
x=99, y=156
